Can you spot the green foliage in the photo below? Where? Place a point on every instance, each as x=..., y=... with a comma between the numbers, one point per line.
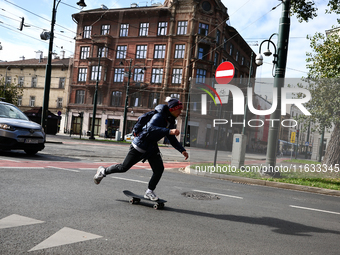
x=306, y=9
x=10, y=92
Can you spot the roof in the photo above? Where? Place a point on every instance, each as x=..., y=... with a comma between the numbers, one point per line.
x=35, y=62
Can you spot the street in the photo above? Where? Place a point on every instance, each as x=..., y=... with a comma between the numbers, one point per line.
x=50, y=205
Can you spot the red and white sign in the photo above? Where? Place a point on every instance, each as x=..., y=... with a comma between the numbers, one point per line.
x=224, y=73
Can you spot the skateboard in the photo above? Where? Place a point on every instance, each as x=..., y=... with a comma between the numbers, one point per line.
x=135, y=199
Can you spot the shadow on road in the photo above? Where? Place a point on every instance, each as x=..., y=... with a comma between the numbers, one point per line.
x=279, y=226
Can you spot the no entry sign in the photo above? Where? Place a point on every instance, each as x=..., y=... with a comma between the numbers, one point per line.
x=224, y=73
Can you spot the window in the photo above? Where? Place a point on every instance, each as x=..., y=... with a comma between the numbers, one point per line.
x=231, y=47
x=9, y=80
x=124, y=30
x=97, y=123
x=182, y=27
x=80, y=96
x=225, y=43
x=216, y=59
x=32, y=101
x=21, y=80
x=143, y=29
x=102, y=52
x=159, y=51
x=218, y=37
x=177, y=75
x=177, y=96
x=34, y=81
x=82, y=74
x=200, y=75
x=119, y=75
x=105, y=30
x=203, y=53
x=96, y=73
x=162, y=28
x=179, y=50
x=99, y=97
x=62, y=82
x=87, y=32
x=121, y=52
x=242, y=60
x=19, y=101
x=116, y=98
x=60, y=102
x=84, y=52
x=237, y=55
x=135, y=99
x=138, y=75
x=141, y=51
x=157, y=75
x=203, y=29
x=153, y=99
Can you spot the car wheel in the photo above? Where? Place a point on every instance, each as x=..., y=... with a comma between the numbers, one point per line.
x=31, y=152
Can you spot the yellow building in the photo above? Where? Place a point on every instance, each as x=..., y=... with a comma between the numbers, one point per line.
x=30, y=75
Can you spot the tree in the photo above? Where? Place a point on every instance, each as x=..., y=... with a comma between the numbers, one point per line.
x=306, y=10
x=10, y=92
x=324, y=85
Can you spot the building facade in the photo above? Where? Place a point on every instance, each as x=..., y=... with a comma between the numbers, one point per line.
x=30, y=75
x=138, y=56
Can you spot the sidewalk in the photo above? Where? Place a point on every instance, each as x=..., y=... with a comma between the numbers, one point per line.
x=250, y=159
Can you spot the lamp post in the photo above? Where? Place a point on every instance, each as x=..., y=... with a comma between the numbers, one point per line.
x=48, y=66
x=126, y=99
x=280, y=62
x=187, y=116
x=95, y=98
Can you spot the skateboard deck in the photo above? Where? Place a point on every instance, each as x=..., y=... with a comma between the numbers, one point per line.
x=135, y=199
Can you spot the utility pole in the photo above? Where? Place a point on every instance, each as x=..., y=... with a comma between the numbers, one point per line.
x=282, y=47
x=126, y=100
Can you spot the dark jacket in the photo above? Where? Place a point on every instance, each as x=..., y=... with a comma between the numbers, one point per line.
x=158, y=127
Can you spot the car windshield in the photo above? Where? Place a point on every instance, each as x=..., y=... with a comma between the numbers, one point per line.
x=10, y=111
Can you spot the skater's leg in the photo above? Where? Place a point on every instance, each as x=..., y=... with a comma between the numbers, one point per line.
x=157, y=167
x=131, y=159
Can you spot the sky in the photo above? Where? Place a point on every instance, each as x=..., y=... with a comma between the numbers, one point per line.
x=254, y=20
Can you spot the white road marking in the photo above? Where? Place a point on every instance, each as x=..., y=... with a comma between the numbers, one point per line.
x=65, y=169
x=131, y=180
x=15, y=220
x=65, y=236
x=312, y=209
x=20, y=167
x=218, y=194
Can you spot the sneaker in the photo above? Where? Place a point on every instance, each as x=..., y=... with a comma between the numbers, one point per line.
x=99, y=175
x=150, y=195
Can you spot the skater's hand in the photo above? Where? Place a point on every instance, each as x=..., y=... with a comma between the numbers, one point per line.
x=174, y=132
x=185, y=154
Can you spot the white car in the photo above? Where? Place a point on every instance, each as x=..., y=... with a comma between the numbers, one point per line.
x=17, y=132
x=129, y=137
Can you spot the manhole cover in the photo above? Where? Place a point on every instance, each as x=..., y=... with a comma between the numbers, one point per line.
x=200, y=195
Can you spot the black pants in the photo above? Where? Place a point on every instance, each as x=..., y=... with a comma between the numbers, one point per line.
x=133, y=157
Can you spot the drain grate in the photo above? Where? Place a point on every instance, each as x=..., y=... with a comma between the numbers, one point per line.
x=200, y=195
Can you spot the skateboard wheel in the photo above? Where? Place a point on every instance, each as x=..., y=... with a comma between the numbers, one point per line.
x=131, y=201
x=155, y=207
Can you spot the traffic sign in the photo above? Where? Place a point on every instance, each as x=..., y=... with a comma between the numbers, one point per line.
x=292, y=137
x=224, y=73
x=59, y=113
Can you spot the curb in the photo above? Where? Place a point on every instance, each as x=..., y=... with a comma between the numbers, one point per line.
x=54, y=142
x=244, y=180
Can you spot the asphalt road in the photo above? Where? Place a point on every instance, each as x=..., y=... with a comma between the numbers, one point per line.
x=50, y=205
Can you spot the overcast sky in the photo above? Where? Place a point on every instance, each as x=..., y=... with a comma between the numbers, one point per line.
x=254, y=20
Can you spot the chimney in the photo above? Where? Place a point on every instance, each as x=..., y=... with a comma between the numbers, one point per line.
x=62, y=53
x=22, y=57
x=39, y=55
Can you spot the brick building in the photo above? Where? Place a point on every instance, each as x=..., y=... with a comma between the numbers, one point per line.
x=152, y=51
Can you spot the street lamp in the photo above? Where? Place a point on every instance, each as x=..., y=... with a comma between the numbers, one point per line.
x=280, y=61
x=48, y=66
x=100, y=52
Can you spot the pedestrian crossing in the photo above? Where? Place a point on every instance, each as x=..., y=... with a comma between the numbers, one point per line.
x=64, y=236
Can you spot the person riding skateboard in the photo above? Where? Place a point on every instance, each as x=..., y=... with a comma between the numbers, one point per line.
x=144, y=146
